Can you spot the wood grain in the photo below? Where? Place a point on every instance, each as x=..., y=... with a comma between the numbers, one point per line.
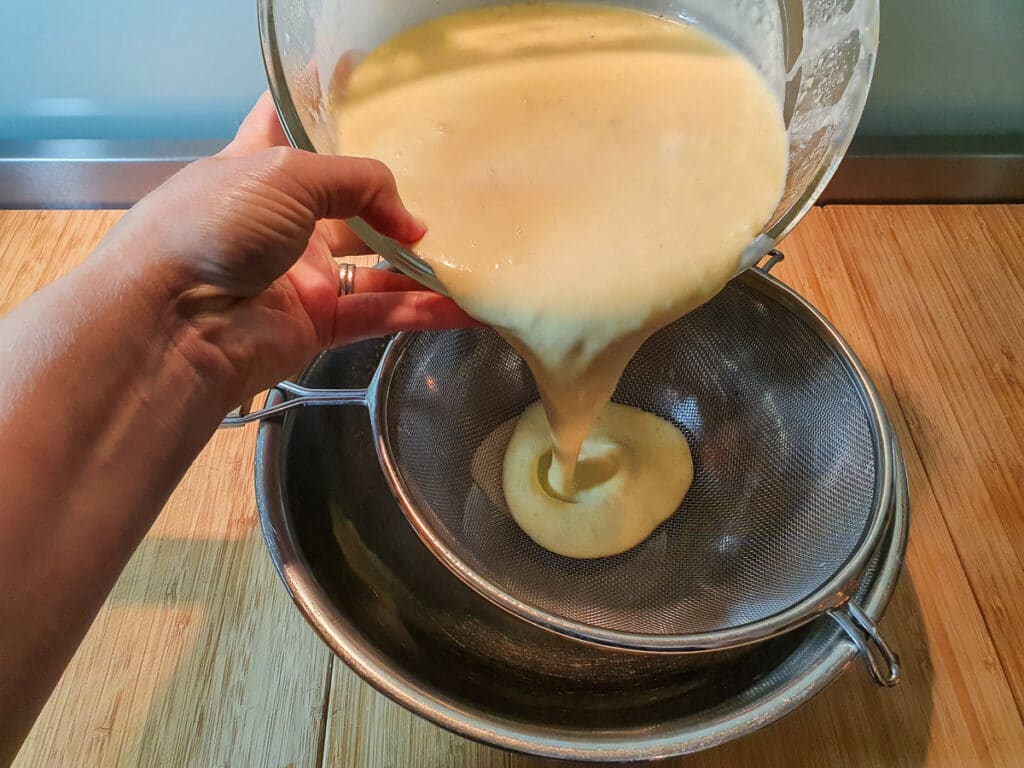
x=943, y=288
x=198, y=658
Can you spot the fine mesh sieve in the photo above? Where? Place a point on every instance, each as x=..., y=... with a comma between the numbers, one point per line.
x=792, y=460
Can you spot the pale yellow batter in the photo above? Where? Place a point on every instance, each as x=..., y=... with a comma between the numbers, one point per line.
x=627, y=450
x=587, y=175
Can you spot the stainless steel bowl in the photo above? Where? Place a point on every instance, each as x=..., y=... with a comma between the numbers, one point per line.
x=390, y=610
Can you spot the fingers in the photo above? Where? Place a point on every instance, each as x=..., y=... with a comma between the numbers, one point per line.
x=339, y=187
x=368, y=315
x=261, y=129
x=344, y=187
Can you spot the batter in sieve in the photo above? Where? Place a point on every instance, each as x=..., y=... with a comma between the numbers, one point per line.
x=587, y=174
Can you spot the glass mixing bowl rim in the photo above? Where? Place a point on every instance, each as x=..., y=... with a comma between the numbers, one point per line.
x=412, y=265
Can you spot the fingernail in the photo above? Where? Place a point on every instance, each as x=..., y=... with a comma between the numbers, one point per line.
x=420, y=228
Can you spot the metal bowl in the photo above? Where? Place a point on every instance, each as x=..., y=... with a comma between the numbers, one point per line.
x=411, y=629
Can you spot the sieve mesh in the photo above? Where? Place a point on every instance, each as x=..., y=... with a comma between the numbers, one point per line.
x=784, y=458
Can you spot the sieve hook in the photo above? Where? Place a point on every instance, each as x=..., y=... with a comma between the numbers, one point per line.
x=774, y=257
x=882, y=662
x=295, y=396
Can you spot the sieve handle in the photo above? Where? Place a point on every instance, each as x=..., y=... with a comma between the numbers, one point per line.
x=300, y=395
x=882, y=662
x=295, y=396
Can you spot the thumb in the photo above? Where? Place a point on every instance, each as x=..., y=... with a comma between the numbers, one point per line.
x=259, y=130
x=344, y=187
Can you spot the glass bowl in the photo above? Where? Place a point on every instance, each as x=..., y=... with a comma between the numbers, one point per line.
x=818, y=55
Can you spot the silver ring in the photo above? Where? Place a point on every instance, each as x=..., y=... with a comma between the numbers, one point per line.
x=347, y=273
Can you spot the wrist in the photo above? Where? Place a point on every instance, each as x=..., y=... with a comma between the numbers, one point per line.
x=155, y=307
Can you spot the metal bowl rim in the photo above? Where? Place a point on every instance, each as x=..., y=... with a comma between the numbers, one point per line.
x=347, y=643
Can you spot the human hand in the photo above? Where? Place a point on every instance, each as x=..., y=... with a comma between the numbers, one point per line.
x=241, y=248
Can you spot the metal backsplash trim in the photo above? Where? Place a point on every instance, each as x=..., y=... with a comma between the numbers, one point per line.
x=86, y=173
x=970, y=169
x=82, y=173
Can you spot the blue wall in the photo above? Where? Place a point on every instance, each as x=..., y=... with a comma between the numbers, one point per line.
x=190, y=69
x=948, y=67
x=127, y=68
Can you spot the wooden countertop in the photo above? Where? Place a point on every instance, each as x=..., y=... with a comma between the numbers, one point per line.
x=199, y=658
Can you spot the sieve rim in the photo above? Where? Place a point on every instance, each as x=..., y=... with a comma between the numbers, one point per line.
x=832, y=593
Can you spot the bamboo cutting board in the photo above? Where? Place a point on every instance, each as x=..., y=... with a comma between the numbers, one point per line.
x=199, y=658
